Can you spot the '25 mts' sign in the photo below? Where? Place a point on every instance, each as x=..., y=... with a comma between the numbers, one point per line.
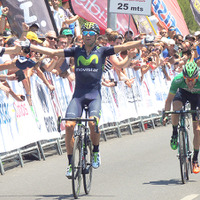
x=135, y=7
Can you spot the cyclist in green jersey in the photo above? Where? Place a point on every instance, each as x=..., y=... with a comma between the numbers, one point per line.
x=185, y=87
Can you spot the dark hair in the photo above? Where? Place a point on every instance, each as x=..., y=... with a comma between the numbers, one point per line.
x=126, y=33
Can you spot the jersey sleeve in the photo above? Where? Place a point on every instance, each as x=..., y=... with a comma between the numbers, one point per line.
x=176, y=83
x=70, y=52
x=108, y=51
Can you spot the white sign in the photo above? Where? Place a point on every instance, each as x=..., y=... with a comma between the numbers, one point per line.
x=134, y=7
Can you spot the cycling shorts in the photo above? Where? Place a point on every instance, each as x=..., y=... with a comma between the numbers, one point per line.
x=184, y=96
x=91, y=99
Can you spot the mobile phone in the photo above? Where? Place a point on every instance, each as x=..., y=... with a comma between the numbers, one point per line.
x=20, y=75
x=23, y=97
x=115, y=83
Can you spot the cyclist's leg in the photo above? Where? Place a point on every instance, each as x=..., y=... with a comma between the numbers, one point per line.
x=95, y=111
x=178, y=101
x=74, y=110
x=195, y=102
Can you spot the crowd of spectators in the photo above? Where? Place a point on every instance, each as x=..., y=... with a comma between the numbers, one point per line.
x=169, y=52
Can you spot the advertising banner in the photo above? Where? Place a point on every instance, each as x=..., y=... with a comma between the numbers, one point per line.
x=32, y=11
x=169, y=14
x=96, y=11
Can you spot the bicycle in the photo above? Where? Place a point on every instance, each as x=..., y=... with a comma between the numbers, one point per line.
x=82, y=153
x=184, y=153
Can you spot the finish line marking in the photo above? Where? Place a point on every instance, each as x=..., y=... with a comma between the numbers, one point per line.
x=190, y=197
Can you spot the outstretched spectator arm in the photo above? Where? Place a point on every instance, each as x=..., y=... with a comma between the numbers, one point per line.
x=42, y=76
x=71, y=20
x=48, y=51
x=128, y=45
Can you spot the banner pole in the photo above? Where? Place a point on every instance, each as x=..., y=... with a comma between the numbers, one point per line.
x=111, y=18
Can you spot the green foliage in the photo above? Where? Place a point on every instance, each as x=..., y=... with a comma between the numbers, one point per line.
x=188, y=15
x=82, y=21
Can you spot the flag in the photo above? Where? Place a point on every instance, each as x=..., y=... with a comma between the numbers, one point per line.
x=195, y=7
x=32, y=11
x=96, y=11
x=169, y=14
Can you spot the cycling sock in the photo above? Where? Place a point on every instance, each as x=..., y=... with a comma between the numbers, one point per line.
x=175, y=132
x=69, y=159
x=95, y=148
x=195, y=156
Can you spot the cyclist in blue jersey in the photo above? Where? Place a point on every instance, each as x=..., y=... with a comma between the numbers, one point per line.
x=89, y=63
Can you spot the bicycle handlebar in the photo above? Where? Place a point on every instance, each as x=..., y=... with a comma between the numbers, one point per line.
x=79, y=120
x=197, y=111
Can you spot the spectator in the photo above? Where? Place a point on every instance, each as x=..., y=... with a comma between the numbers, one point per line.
x=34, y=27
x=128, y=35
x=71, y=21
x=163, y=33
x=50, y=40
x=102, y=40
x=68, y=33
x=171, y=32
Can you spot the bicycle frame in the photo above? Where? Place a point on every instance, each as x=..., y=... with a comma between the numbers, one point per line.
x=82, y=151
x=184, y=153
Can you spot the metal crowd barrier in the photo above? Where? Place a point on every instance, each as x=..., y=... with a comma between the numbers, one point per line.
x=38, y=149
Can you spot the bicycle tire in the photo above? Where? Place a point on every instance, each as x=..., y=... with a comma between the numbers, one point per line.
x=182, y=156
x=87, y=175
x=76, y=167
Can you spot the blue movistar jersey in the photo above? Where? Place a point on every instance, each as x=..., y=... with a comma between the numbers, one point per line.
x=88, y=68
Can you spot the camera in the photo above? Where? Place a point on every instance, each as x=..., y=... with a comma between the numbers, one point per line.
x=20, y=75
x=26, y=50
x=149, y=59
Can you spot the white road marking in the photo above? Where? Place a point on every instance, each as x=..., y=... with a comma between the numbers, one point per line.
x=190, y=197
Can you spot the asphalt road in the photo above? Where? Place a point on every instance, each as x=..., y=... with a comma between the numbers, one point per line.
x=135, y=167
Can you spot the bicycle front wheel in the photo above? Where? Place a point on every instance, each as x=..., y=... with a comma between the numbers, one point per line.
x=76, y=167
x=87, y=172
x=183, y=157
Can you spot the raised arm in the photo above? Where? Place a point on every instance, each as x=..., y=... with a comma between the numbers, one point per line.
x=47, y=51
x=128, y=45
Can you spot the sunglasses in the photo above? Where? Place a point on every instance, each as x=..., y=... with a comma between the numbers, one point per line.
x=173, y=29
x=191, y=79
x=51, y=38
x=91, y=33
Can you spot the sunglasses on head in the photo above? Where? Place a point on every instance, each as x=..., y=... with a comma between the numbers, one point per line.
x=91, y=33
x=172, y=29
x=51, y=38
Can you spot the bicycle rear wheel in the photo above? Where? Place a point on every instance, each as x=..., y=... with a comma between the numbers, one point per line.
x=76, y=167
x=87, y=172
x=183, y=157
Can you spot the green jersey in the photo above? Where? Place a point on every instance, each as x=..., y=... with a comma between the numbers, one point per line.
x=179, y=82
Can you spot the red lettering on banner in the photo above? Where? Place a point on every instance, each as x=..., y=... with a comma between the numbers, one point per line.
x=21, y=110
x=93, y=8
